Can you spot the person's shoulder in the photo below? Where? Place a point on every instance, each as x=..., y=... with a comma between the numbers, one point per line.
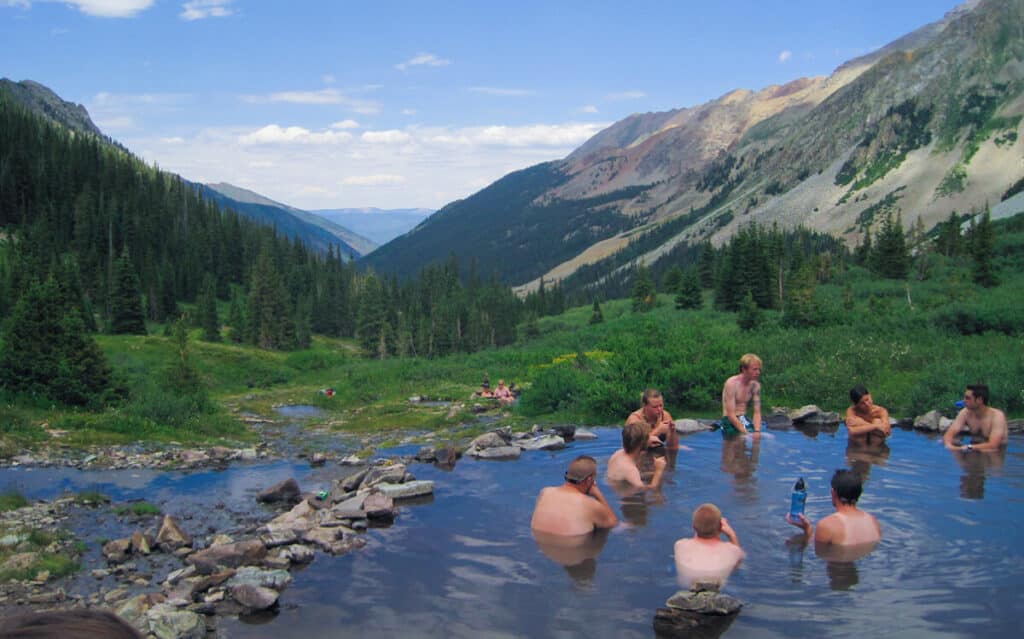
x=637, y=415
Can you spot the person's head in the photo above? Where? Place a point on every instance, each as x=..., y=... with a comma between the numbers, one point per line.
x=68, y=624
x=582, y=472
x=751, y=365
x=707, y=521
x=847, y=486
x=635, y=436
x=860, y=397
x=501, y=382
x=976, y=395
x=653, y=402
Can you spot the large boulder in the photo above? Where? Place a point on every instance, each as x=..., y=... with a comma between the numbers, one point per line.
x=300, y=517
x=686, y=426
x=286, y=491
x=696, y=614
x=239, y=553
x=254, y=597
x=582, y=434
x=544, y=442
x=117, y=550
x=388, y=474
x=170, y=537
x=493, y=439
x=167, y=622
x=932, y=421
x=253, y=576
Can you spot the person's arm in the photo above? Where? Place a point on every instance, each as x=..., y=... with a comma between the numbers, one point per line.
x=604, y=516
x=730, y=533
x=659, y=471
x=880, y=417
x=755, y=397
x=803, y=523
x=954, y=429
x=857, y=425
x=996, y=436
x=729, y=407
x=826, y=533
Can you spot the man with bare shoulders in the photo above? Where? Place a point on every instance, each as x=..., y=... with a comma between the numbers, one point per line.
x=985, y=425
x=624, y=465
x=576, y=507
x=739, y=391
x=866, y=422
x=705, y=558
x=653, y=413
x=849, y=526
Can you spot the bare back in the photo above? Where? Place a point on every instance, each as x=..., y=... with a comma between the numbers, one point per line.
x=849, y=528
x=705, y=561
x=563, y=510
x=622, y=469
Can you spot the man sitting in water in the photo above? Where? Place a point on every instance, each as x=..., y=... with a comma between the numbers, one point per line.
x=985, y=425
x=624, y=465
x=705, y=558
x=653, y=414
x=576, y=507
x=866, y=422
x=503, y=394
x=740, y=390
x=848, y=526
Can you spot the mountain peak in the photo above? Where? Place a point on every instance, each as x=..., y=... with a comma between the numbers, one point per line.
x=41, y=100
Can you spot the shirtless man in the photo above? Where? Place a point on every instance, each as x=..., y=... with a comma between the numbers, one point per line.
x=624, y=468
x=985, y=425
x=503, y=394
x=849, y=525
x=661, y=424
x=576, y=507
x=705, y=558
x=866, y=422
x=740, y=390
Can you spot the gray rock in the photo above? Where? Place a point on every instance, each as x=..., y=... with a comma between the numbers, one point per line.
x=353, y=481
x=544, y=442
x=932, y=421
x=685, y=426
x=297, y=553
x=166, y=622
x=332, y=540
x=254, y=597
x=778, y=421
x=1015, y=425
x=493, y=439
x=704, y=602
x=278, y=535
x=408, y=489
x=133, y=610
x=390, y=474
x=286, y=491
x=351, y=508
x=379, y=506
x=252, y=576
x=117, y=550
x=500, y=452
x=584, y=434
x=802, y=413
x=171, y=536
x=247, y=454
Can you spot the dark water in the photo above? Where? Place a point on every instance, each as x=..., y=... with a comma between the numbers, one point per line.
x=950, y=564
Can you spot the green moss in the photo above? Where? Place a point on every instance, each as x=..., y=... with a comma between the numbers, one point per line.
x=12, y=501
x=139, y=509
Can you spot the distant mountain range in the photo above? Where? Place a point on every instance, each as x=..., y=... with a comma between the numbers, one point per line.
x=926, y=125
x=379, y=225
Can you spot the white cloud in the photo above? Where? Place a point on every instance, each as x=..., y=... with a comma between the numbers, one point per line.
x=274, y=134
x=345, y=124
x=625, y=95
x=384, y=179
x=515, y=93
x=589, y=108
x=177, y=139
x=391, y=136
x=321, y=97
x=328, y=79
x=113, y=123
x=423, y=59
x=202, y=9
x=408, y=111
x=97, y=8
x=785, y=55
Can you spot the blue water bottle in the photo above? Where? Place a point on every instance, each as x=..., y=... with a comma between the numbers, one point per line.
x=796, y=504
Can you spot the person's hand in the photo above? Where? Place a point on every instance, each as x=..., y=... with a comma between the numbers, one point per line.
x=801, y=522
x=727, y=529
x=659, y=463
x=653, y=440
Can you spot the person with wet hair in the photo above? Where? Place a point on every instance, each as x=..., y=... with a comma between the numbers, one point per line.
x=624, y=465
x=739, y=391
x=705, y=558
x=849, y=525
x=68, y=624
x=986, y=426
x=576, y=507
x=866, y=422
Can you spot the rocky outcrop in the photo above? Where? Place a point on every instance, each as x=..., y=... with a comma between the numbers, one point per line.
x=933, y=421
x=286, y=491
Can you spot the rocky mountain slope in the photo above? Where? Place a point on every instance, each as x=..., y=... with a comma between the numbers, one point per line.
x=926, y=125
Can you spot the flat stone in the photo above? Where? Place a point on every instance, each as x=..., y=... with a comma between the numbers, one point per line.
x=499, y=452
x=583, y=434
x=250, y=575
x=544, y=442
x=166, y=622
x=391, y=474
x=230, y=555
x=254, y=597
x=408, y=489
x=685, y=426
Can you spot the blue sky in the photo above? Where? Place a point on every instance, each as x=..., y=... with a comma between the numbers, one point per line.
x=411, y=104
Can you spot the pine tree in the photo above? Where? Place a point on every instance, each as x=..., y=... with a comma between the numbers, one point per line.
x=83, y=375
x=644, y=295
x=983, y=242
x=689, y=296
x=126, y=316
x=673, y=280
x=749, y=316
x=236, y=319
x=206, y=309
x=596, y=317
x=890, y=257
x=801, y=309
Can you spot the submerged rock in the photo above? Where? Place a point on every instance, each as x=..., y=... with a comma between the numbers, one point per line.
x=254, y=597
x=408, y=489
x=544, y=442
x=171, y=536
x=285, y=491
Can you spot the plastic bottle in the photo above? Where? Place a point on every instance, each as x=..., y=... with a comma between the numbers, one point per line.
x=796, y=504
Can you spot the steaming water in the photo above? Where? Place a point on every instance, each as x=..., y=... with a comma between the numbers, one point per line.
x=464, y=564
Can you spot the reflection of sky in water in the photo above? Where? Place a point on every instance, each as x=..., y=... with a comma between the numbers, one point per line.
x=467, y=565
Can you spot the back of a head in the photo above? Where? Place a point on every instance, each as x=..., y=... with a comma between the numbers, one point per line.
x=857, y=392
x=68, y=624
x=707, y=521
x=635, y=436
x=582, y=467
x=848, y=485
